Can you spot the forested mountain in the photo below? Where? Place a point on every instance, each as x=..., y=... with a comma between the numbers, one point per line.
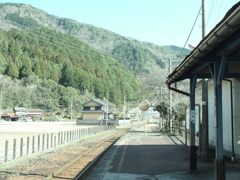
x=66, y=60
x=24, y=17
x=91, y=60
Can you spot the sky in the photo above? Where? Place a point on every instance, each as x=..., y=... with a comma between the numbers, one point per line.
x=162, y=22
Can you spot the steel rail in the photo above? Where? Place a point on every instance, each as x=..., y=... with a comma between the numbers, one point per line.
x=82, y=173
x=59, y=170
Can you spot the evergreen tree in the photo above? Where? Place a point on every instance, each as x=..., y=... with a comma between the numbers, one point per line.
x=14, y=50
x=37, y=69
x=55, y=75
x=4, y=48
x=27, y=65
x=12, y=70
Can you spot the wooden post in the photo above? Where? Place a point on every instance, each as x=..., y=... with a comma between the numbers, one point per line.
x=61, y=137
x=14, y=148
x=55, y=143
x=38, y=142
x=47, y=141
x=33, y=144
x=21, y=147
x=6, y=151
x=65, y=136
x=28, y=145
x=43, y=141
x=51, y=140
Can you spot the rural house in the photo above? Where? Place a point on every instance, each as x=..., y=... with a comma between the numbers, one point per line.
x=96, y=112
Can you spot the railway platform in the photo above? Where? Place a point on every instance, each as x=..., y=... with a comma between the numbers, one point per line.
x=153, y=156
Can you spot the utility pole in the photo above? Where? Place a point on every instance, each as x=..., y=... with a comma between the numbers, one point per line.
x=107, y=113
x=71, y=106
x=204, y=123
x=124, y=109
x=203, y=18
x=170, y=99
x=0, y=102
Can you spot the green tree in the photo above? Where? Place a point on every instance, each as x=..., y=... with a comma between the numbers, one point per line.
x=27, y=65
x=55, y=75
x=67, y=76
x=98, y=88
x=37, y=69
x=4, y=48
x=162, y=108
x=14, y=50
x=12, y=70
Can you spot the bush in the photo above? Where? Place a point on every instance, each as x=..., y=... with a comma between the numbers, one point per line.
x=50, y=119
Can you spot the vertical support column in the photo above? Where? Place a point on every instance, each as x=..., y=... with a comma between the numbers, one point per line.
x=193, y=149
x=219, y=161
x=203, y=138
x=170, y=100
x=219, y=68
x=204, y=122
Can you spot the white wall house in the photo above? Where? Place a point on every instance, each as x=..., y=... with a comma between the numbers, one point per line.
x=231, y=117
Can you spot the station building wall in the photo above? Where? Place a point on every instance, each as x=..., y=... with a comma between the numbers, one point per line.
x=226, y=112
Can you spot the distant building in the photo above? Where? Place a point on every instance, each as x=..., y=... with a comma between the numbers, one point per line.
x=35, y=114
x=20, y=111
x=24, y=113
x=96, y=112
x=9, y=117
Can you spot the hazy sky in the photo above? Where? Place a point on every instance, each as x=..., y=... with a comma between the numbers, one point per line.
x=162, y=22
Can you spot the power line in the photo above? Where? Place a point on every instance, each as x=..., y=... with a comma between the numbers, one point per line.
x=219, y=11
x=190, y=31
x=210, y=12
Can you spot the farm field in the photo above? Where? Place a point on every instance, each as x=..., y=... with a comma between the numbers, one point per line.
x=13, y=130
x=17, y=130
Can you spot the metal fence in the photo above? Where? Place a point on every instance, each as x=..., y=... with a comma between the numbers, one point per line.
x=37, y=143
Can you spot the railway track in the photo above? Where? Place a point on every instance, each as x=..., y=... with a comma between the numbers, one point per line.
x=80, y=167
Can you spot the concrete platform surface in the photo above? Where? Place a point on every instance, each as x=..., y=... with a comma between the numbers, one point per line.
x=153, y=156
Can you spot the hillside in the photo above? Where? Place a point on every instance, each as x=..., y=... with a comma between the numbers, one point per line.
x=77, y=55
x=65, y=60
x=24, y=17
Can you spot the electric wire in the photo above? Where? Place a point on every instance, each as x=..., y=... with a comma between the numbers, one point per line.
x=190, y=32
x=177, y=20
x=219, y=11
x=210, y=12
